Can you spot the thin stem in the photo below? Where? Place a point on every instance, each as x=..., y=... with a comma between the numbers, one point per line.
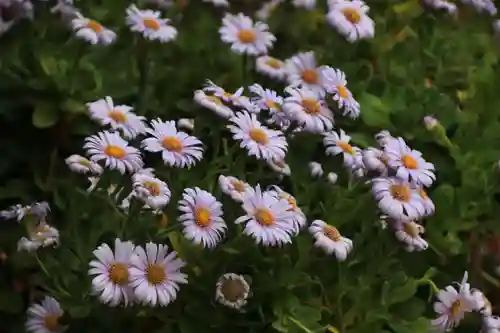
x=299, y=324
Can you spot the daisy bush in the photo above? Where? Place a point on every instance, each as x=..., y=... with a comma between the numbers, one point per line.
x=259, y=166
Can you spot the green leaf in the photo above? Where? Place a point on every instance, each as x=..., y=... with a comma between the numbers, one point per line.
x=45, y=116
x=79, y=311
x=10, y=301
x=374, y=112
x=402, y=293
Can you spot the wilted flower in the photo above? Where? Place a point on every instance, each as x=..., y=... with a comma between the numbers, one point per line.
x=232, y=290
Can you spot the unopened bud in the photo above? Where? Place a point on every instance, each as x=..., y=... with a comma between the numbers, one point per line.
x=315, y=169
x=430, y=122
x=332, y=178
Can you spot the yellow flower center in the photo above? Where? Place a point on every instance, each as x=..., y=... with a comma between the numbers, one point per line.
x=91, y=24
x=423, y=194
x=172, y=143
x=273, y=63
x=311, y=106
x=310, y=76
x=457, y=308
x=151, y=24
x=202, y=217
x=51, y=322
x=411, y=229
x=332, y=233
x=347, y=148
x=342, y=91
x=117, y=116
x=214, y=99
x=153, y=188
x=271, y=104
x=401, y=192
x=259, y=135
x=155, y=274
x=246, y=36
x=409, y=162
x=238, y=186
x=352, y=15
x=118, y=273
x=115, y=152
x=290, y=200
x=233, y=290
x=264, y=217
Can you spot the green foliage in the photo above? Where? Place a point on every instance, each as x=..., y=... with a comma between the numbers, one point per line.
x=47, y=76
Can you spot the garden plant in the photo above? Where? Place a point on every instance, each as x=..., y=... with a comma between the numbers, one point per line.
x=260, y=166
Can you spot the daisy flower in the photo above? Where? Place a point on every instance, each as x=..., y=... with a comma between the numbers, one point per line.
x=155, y=274
x=178, y=149
x=232, y=290
x=315, y=169
x=483, y=304
x=428, y=204
x=375, y=160
x=42, y=236
x=44, y=317
x=302, y=71
x=111, y=271
x=17, y=212
x=329, y=239
x=271, y=67
x=279, y=166
x=201, y=217
x=409, y=233
x=213, y=103
x=92, y=31
x=408, y=163
x=351, y=19
x=335, y=83
x=80, y=164
x=267, y=218
x=150, y=24
x=451, y=8
x=452, y=305
x=383, y=138
x=266, y=99
x=115, y=152
x=233, y=187
x=339, y=144
x=151, y=190
x=260, y=141
x=482, y=6
x=298, y=218
x=397, y=199
x=118, y=117
x=245, y=36
x=304, y=106
x=491, y=324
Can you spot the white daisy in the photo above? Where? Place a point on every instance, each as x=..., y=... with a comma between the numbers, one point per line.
x=267, y=219
x=451, y=8
x=482, y=6
x=335, y=83
x=245, y=36
x=266, y=99
x=452, y=305
x=483, y=304
x=43, y=235
x=375, y=160
x=315, y=169
x=233, y=187
x=178, y=149
x=408, y=163
x=92, y=31
x=232, y=290
x=298, y=218
x=279, y=166
x=44, y=317
x=115, y=152
x=409, y=233
x=272, y=67
x=302, y=71
x=118, y=117
x=397, y=199
x=351, y=19
x=80, y=164
x=428, y=204
x=339, y=144
x=17, y=212
x=383, y=138
x=329, y=239
x=155, y=274
x=260, y=141
x=306, y=4
x=202, y=217
x=151, y=190
x=111, y=270
x=213, y=103
x=491, y=324
x=150, y=24
x=304, y=106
